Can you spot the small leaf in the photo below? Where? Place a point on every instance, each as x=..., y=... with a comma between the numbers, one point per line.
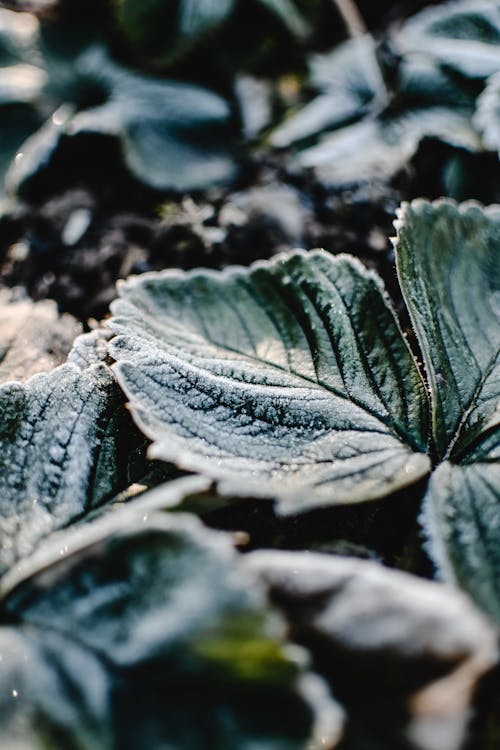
x=464, y=36
x=487, y=118
x=347, y=81
x=174, y=136
x=56, y=431
x=291, y=379
x=447, y=259
x=179, y=643
x=49, y=706
x=462, y=522
x=375, y=150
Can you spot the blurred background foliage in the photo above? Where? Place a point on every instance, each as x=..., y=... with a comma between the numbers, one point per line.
x=138, y=135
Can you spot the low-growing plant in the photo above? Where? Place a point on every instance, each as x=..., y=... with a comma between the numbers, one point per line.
x=290, y=381
x=374, y=103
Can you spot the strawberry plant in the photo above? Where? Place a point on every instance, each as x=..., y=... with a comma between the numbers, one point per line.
x=249, y=494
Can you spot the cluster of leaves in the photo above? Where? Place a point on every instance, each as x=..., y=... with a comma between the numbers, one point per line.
x=434, y=78
x=290, y=381
x=129, y=617
x=431, y=78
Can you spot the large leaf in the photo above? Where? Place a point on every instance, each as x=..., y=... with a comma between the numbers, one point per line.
x=428, y=96
x=403, y=654
x=291, y=379
x=447, y=258
x=160, y=638
x=462, y=521
x=450, y=275
x=58, y=453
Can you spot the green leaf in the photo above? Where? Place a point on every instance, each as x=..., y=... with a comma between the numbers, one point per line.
x=462, y=522
x=347, y=81
x=174, y=135
x=487, y=118
x=371, y=151
x=58, y=453
x=428, y=97
x=463, y=36
x=159, y=636
x=391, y=645
x=447, y=259
x=274, y=380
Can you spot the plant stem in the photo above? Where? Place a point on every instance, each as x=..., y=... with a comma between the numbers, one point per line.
x=357, y=28
x=351, y=16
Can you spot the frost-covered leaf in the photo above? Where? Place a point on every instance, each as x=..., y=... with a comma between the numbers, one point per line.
x=174, y=135
x=388, y=643
x=289, y=380
x=462, y=521
x=448, y=264
x=347, y=81
x=449, y=271
x=49, y=706
x=427, y=96
x=375, y=150
x=161, y=638
x=59, y=442
x=423, y=82
x=487, y=118
x=463, y=35
x=33, y=337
